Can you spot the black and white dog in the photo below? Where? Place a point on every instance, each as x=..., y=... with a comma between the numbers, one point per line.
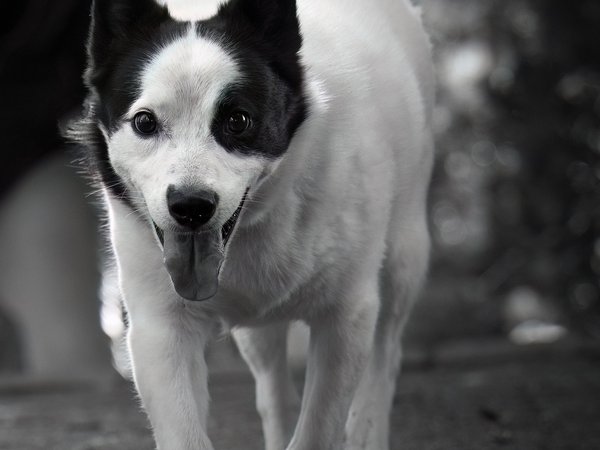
x=264, y=163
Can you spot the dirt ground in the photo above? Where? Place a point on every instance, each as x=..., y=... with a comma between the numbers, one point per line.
x=538, y=398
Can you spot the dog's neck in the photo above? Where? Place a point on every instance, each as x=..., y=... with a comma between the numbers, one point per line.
x=273, y=190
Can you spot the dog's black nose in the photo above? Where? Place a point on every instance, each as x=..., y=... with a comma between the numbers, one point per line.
x=191, y=209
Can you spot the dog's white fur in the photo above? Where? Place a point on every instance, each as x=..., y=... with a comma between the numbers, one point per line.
x=334, y=233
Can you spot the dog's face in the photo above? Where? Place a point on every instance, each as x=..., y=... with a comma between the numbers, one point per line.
x=191, y=116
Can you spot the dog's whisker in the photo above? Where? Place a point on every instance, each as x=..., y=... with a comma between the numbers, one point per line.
x=103, y=188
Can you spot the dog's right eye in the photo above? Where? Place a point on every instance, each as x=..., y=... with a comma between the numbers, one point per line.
x=144, y=123
x=238, y=122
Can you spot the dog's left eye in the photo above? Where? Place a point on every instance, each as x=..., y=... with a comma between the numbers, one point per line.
x=145, y=123
x=238, y=122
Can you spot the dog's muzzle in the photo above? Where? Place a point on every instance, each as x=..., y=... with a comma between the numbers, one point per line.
x=193, y=260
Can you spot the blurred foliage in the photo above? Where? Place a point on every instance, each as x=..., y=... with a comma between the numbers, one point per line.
x=515, y=201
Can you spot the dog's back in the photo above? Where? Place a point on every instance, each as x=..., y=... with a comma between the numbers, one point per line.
x=374, y=59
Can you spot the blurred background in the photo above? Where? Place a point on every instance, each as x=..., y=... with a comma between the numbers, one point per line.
x=514, y=202
x=515, y=212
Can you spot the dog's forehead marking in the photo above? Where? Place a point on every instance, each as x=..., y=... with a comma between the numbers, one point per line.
x=192, y=10
x=187, y=75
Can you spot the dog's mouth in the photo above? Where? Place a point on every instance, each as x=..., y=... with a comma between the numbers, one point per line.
x=228, y=226
x=193, y=260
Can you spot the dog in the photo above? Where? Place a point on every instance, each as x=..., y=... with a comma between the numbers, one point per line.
x=264, y=163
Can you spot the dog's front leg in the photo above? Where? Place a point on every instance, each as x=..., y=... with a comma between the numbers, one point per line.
x=166, y=338
x=277, y=401
x=171, y=377
x=338, y=353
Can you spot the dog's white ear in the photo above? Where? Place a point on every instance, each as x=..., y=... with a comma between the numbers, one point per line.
x=113, y=23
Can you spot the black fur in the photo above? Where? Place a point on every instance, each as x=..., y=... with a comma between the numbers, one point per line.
x=264, y=38
x=262, y=35
x=269, y=27
x=122, y=33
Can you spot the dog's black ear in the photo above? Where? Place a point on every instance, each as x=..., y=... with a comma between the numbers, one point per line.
x=113, y=23
x=275, y=22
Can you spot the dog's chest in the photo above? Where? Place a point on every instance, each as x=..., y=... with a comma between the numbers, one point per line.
x=268, y=268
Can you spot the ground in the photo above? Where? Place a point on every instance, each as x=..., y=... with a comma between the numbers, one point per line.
x=484, y=395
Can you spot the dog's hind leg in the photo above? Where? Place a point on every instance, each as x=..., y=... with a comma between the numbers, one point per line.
x=401, y=278
x=277, y=401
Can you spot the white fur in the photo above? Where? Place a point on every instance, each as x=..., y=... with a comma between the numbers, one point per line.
x=335, y=234
x=192, y=10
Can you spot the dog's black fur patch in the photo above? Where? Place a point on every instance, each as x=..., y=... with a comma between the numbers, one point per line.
x=262, y=35
x=264, y=38
x=122, y=36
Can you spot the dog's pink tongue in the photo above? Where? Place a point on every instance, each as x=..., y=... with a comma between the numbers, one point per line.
x=193, y=262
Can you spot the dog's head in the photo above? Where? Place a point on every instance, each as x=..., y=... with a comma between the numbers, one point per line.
x=185, y=117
